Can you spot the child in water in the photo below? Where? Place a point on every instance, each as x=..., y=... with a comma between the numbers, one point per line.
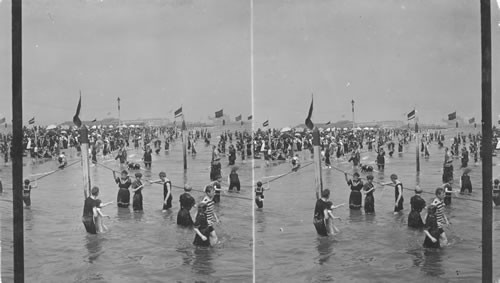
x=496, y=192
x=201, y=227
x=432, y=231
x=332, y=229
x=259, y=194
x=27, y=192
x=210, y=212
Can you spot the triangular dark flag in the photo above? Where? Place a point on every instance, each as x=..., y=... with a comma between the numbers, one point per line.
x=309, y=123
x=76, y=118
x=95, y=120
x=328, y=123
x=238, y=118
x=472, y=120
x=32, y=121
x=250, y=117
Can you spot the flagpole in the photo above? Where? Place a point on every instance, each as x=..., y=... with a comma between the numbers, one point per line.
x=487, y=217
x=119, y=115
x=417, y=142
x=353, y=125
x=318, y=182
x=84, y=141
x=184, y=150
x=17, y=141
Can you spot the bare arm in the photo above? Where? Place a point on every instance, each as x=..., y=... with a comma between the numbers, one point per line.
x=430, y=236
x=203, y=237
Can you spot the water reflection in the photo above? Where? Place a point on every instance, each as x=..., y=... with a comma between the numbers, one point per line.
x=124, y=214
x=93, y=243
x=325, y=249
x=260, y=220
x=202, y=260
x=429, y=261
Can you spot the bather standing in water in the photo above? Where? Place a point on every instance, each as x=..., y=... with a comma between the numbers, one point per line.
x=124, y=183
x=187, y=202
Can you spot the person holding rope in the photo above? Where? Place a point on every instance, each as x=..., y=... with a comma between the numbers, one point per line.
x=368, y=189
x=356, y=185
x=137, y=187
x=398, y=193
x=167, y=190
x=91, y=212
x=259, y=194
x=27, y=192
x=124, y=183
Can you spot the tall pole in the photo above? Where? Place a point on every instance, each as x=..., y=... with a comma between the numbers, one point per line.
x=353, y=125
x=417, y=141
x=318, y=182
x=184, y=138
x=487, y=225
x=84, y=143
x=119, y=115
x=17, y=140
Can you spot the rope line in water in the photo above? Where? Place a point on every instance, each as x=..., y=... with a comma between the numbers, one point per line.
x=49, y=173
x=182, y=188
x=392, y=185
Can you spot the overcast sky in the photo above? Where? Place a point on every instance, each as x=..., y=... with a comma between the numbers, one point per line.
x=389, y=56
x=154, y=55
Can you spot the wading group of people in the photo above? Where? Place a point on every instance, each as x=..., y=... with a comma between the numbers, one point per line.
x=206, y=217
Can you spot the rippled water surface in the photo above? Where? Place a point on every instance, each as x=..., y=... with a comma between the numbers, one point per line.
x=139, y=247
x=370, y=248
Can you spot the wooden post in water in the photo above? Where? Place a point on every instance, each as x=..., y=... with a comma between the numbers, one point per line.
x=487, y=225
x=418, y=145
x=17, y=141
x=184, y=137
x=84, y=143
x=318, y=182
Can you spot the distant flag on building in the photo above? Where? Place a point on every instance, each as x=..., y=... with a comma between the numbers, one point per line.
x=76, y=118
x=452, y=116
x=472, y=120
x=178, y=112
x=266, y=123
x=250, y=117
x=95, y=120
x=411, y=115
x=238, y=118
x=219, y=113
x=309, y=123
x=31, y=121
x=328, y=123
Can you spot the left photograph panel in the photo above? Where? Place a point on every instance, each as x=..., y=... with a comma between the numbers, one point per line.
x=137, y=141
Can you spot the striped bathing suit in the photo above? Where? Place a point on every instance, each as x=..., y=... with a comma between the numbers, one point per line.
x=210, y=210
x=439, y=212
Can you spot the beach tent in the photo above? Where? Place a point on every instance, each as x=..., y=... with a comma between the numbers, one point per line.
x=94, y=127
x=286, y=129
x=110, y=126
x=366, y=128
x=51, y=127
x=299, y=129
x=131, y=126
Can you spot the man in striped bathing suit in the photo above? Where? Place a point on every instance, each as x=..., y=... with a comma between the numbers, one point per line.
x=210, y=212
x=441, y=217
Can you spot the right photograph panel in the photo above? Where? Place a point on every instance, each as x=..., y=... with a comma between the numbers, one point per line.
x=367, y=139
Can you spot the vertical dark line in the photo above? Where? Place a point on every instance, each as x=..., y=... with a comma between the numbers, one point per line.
x=486, y=141
x=17, y=141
